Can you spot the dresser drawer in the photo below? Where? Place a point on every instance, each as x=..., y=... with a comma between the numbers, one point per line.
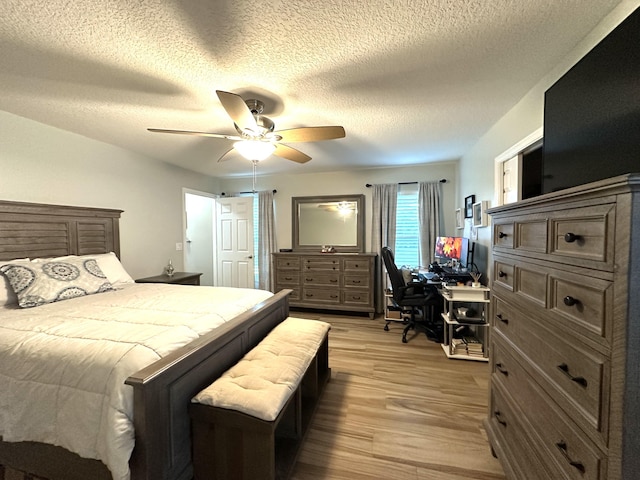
x=321, y=263
x=574, y=455
x=571, y=302
x=356, y=297
x=568, y=371
x=321, y=295
x=585, y=303
x=531, y=235
x=585, y=234
x=314, y=278
x=582, y=236
x=291, y=277
x=357, y=281
x=503, y=234
x=357, y=265
x=513, y=442
x=503, y=274
x=526, y=280
x=288, y=263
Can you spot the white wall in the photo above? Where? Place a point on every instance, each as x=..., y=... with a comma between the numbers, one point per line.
x=477, y=165
x=42, y=164
x=347, y=183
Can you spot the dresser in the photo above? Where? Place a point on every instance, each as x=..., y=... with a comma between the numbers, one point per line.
x=565, y=336
x=330, y=281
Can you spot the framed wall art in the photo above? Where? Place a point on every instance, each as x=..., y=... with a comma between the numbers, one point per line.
x=468, y=206
x=480, y=217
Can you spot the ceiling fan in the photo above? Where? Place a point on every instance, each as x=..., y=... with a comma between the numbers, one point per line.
x=256, y=138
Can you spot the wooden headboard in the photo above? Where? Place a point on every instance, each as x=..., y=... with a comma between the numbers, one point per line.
x=38, y=231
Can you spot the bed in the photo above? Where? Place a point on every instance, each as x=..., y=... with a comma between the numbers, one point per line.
x=161, y=390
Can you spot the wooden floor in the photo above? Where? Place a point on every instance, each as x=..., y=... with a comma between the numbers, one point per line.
x=396, y=411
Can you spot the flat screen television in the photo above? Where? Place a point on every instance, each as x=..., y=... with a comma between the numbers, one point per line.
x=452, y=248
x=592, y=113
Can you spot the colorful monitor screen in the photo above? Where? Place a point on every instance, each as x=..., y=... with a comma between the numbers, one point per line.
x=452, y=248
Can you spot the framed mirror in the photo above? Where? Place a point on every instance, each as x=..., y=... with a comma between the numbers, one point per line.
x=332, y=220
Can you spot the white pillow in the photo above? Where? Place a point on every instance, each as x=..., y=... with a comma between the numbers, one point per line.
x=7, y=295
x=108, y=263
x=38, y=283
x=113, y=269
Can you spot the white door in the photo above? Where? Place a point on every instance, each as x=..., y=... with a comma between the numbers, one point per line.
x=235, y=242
x=510, y=180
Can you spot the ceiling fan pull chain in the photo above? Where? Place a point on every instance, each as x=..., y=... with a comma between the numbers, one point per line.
x=255, y=163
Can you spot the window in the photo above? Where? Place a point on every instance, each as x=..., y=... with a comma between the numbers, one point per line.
x=407, y=250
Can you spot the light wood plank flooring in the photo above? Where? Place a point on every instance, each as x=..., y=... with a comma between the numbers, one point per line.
x=396, y=411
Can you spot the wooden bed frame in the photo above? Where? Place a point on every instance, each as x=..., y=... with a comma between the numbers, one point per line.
x=163, y=390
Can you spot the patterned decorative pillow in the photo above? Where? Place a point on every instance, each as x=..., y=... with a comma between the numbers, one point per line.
x=45, y=282
x=7, y=297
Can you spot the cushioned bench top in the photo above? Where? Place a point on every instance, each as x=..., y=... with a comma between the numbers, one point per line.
x=263, y=380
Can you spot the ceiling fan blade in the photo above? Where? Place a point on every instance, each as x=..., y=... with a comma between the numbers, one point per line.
x=290, y=153
x=225, y=156
x=238, y=110
x=311, y=134
x=200, y=134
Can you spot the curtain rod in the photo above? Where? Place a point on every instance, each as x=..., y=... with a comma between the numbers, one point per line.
x=444, y=180
x=244, y=193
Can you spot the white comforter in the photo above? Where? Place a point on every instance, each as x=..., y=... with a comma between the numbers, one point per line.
x=63, y=365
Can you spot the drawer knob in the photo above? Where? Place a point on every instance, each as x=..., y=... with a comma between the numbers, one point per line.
x=569, y=301
x=501, y=274
x=571, y=237
x=562, y=446
x=502, y=319
x=502, y=235
x=564, y=368
x=502, y=370
x=497, y=414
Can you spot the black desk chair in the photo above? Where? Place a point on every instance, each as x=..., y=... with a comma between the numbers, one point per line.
x=415, y=296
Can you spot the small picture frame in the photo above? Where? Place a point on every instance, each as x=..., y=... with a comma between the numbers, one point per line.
x=480, y=217
x=459, y=219
x=468, y=206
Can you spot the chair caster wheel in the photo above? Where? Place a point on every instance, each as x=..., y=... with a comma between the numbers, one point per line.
x=404, y=339
x=386, y=328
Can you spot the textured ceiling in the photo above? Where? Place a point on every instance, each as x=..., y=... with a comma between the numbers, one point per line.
x=411, y=81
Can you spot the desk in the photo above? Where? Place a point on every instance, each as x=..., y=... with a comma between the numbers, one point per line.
x=443, y=277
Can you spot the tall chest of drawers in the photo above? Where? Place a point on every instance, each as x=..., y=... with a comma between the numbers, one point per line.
x=565, y=344
x=330, y=281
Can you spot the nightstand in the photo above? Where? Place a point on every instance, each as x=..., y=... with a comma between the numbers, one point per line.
x=178, y=278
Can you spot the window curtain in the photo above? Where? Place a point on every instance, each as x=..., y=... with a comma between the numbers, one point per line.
x=429, y=200
x=383, y=232
x=267, y=238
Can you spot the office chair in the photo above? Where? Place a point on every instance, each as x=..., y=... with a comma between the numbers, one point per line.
x=414, y=295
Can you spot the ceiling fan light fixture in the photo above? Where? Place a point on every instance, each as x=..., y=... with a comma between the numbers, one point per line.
x=254, y=150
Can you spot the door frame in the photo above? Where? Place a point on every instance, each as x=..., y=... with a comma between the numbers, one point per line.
x=214, y=197
x=511, y=152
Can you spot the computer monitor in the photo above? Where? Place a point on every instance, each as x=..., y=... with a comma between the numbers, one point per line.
x=452, y=248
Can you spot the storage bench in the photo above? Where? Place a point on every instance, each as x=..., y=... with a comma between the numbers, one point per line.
x=249, y=423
